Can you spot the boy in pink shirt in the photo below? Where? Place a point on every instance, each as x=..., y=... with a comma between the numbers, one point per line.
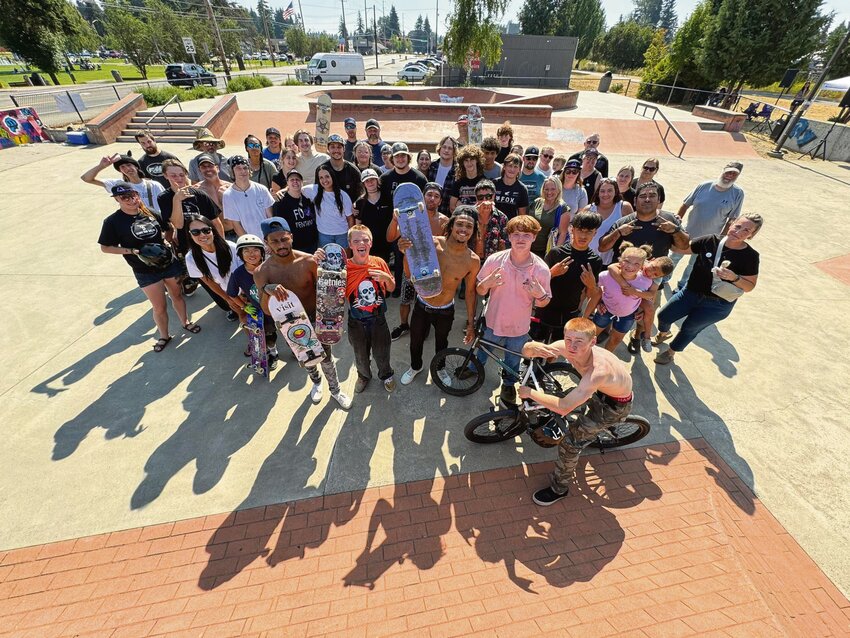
x=619, y=308
x=517, y=281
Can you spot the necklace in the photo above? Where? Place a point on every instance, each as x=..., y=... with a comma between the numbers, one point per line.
x=245, y=192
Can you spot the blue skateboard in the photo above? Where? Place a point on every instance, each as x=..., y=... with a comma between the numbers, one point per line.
x=422, y=255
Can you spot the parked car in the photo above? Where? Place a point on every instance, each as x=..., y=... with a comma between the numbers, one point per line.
x=188, y=74
x=428, y=63
x=413, y=73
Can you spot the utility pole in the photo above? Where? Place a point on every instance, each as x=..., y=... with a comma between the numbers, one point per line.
x=218, y=39
x=437, y=26
x=345, y=28
x=375, y=27
x=268, y=35
x=777, y=152
x=303, y=26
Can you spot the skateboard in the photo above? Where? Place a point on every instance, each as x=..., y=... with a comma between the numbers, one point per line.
x=297, y=330
x=476, y=124
x=422, y=255
x=323, y=122
x=330, y=295
x=257, y=341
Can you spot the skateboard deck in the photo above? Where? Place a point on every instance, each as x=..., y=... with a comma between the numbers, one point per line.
x=414, y=225
x=476, y=124
x=323, y=122
x=257, y=341
x=297, y=330
x=330, y=295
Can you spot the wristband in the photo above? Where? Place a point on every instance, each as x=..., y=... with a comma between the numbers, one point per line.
x=737, y=278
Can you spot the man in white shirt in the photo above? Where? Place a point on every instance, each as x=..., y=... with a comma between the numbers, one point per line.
x=246, y=204
x=308, y=161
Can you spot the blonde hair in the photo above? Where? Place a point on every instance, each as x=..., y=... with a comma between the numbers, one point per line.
x=583, y=325
x=359, y=228
x=627, y=249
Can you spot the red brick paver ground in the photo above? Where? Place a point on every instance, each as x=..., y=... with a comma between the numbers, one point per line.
x=658, y=541
x=838, y=267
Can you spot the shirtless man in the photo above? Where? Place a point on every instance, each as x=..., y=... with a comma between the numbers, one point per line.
x=457, y=263
x=212, y=184
x=432, y=194
x=291, y=271
x=605, y=388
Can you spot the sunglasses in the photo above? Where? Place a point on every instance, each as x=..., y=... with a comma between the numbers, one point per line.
x=548, y=156
x=650, y=169
x=200, y=231
x=485, y=197
x=127, y=198
x=253, y=145
x=572, y=171
x=592, y=142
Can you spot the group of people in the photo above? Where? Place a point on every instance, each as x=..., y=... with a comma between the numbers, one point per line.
x=565, y=255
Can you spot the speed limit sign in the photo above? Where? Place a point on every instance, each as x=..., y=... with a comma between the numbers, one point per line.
x=189, y=45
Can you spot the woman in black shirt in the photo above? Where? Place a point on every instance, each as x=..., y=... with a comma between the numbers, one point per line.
x=696, y=303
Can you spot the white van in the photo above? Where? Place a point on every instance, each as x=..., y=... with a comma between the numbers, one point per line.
x=336, y=67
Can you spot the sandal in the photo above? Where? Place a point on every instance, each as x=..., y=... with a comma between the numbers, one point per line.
x=192, y=327
x=661, y=337
x=160, y=344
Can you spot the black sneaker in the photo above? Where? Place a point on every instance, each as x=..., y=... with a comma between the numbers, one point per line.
x=272, y=362
x=397, y=333
x=547, y=496
x=189, y=286
x=232, y=316
x=634, y=345
x=507, y=396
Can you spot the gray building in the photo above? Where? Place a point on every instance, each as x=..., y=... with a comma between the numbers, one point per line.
x=531, y=60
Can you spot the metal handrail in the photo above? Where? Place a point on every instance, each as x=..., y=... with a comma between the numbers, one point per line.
x=162, y=112
x=670, y=126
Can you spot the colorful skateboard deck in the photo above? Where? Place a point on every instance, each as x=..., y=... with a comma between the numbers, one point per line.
x=297, y=330
x=323, y=122
x=422, y=255
x=257, y=341
x=476, y=124
x=330, y=295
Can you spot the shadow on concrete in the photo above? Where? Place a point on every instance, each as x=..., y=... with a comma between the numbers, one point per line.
x=136, y=333
x=114, y=307
x=723, y=353
x=676, y=386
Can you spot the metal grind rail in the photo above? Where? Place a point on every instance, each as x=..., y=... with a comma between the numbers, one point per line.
x=670, y=127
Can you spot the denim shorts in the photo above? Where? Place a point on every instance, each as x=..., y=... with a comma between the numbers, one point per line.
x=145, y=279
x=620, y=324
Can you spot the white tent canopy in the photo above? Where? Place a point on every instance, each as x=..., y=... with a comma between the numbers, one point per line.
x=839, y=84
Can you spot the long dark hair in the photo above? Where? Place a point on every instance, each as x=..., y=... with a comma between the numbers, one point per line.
x=605, y=180
x=320, y=192
x=222, y=249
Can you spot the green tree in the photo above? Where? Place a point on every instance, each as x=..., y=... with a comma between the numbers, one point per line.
x=130, y=35
x=473, y=28
x=537, y=17
x=841, y=67
x=647, y=12
x=584, y=19
x=93, y=14
x=297, y=42
x=418, y=25
x=277, y=25
x=668, y=18
x=393, y=23
x=342, y=29
x=426, y=28
x=624, y=45
x=361, y=28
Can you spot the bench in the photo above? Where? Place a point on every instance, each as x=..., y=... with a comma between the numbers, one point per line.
x=732, y=121
x=17, y=84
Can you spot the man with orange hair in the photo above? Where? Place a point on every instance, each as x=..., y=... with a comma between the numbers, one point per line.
x=605, y=390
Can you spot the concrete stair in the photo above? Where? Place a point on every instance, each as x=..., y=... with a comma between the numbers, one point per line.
x=179, y=128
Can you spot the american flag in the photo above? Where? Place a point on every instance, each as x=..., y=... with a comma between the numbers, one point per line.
x=288, y=12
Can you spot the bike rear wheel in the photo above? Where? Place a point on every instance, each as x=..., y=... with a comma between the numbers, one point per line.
x=559, y=378
x=460, y=368
x=494, y=427
x=632, y=429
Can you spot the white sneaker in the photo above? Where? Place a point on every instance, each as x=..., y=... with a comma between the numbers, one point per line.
x=316, y=393
x=343, y=399
x=408, y=377
x=445, y=378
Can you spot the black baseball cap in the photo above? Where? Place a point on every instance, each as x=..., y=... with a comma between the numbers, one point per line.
x=272, y=131
x=122, y=188
x=372, y=122
x=531, y=151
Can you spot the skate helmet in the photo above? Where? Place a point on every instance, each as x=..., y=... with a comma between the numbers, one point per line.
x=156, y=255
x=250, y=240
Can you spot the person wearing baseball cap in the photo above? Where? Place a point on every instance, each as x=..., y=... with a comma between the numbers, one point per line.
x=463, y=130
x=291, y=272
x=299, y=212
x=212, y=184
x=137, y=234
x=374, y=213
x=592, y=141
x=131, y=172
x=350, y=126
x=714, y=205
x=246, y=203
x=206, y=142
x=344, y=172
x=529, y=175
x=274, y=148
x=373, y=137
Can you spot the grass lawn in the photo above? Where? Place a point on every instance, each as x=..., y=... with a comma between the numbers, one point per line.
x=127, y=71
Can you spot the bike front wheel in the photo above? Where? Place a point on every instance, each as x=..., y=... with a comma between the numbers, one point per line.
x=632, y=429
x=494, y=427
x=457, y=372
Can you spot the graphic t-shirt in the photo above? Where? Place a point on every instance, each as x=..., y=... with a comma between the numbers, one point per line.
x=132, y=231
x=366, y=297
x=509, y=199
x=615, y=301
x=152, y=165
x=376, y=216
x=464, y=190
x=300, y=213
x=247, y=207
x=199, y=203
x=533, y=183
x=274, y=158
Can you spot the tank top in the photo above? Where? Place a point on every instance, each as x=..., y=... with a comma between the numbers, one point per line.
x=615, y=215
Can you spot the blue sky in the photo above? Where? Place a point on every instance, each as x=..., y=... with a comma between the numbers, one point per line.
x=324, y=14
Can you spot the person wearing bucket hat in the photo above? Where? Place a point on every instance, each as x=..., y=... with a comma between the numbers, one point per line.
x=132, y=174
x=345, y=173
x=137, y=234
x=308, y=159
x=206, y=142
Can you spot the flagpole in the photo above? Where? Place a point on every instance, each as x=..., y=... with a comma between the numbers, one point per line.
x=301, y=11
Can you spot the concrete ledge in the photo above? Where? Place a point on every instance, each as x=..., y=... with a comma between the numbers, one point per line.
x=470, y=95
x=219, y=115
x=733, y=121
x=106, y=127
x=567, y=99
x=532, y=113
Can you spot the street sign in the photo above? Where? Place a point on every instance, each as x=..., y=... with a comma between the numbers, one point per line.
x=189, y=45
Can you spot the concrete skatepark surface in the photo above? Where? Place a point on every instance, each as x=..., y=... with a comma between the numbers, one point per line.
x=102, y=434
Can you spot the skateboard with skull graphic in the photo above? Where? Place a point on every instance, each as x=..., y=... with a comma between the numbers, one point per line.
x=323, y=122
x=422, y=255
x=330, y=295
x=476, y=124
x=295, y=326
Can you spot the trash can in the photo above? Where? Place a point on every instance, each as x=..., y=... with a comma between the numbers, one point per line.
x=605, y=81
x=116, y=75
